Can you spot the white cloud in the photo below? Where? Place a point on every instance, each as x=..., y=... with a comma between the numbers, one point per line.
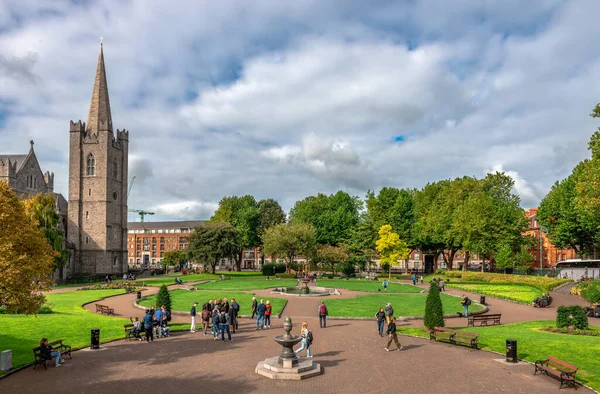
x=187, y=209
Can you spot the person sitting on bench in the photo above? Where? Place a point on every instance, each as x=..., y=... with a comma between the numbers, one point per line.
x=48, y=353
x=137, y=328
x=178, y=281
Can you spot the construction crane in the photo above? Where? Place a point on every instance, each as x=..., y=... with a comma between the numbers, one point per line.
x=142, y=213
x=130, y=186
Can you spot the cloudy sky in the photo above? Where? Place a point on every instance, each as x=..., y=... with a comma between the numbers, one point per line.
x=286, y=99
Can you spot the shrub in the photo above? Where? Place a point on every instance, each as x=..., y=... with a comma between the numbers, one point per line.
x=270, y=269
x=571, y=315
x=281, y=276
x=44, y=310
x=588, y=290
x=434, y=312
x=163, y=298
x=347, y=268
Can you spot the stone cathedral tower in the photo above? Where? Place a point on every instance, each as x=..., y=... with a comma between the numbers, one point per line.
x=97, y=226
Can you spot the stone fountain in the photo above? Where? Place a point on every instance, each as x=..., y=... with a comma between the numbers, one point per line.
x=287, y=366
x=304, y=289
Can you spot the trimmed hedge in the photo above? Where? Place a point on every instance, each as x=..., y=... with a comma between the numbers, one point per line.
x=572, y=315
x=589, y=290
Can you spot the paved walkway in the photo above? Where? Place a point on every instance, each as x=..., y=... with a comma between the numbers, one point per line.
x=351, y=353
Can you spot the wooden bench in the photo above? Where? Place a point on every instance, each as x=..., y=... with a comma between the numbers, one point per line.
x=104, y=309
x=484, y=319
x=454, y=336
x=559, y=369
x=56, y=346
x=129, y=335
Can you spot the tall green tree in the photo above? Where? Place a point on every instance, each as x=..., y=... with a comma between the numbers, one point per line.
x=175, y=258
x=288, y=241
x=330, y=257
x=434, y=311
x=390, y=247
x=243, y=214
x=26, y=258
x=42, y=209
x=331, y=216
x=163, y=298
x=394, y=207
x=270, y=214
x=213, y=241
x=361, y=244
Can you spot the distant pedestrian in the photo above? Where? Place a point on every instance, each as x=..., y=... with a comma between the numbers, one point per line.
x=389, y=312
x=323, y=312
x=307, y=338
x=235, y=306
x=224, y=324
x=268, y=311
x=385, y=285
x=465, y=303
x=421, y=279
x=380, y=321
x=260, y=315
x=215, y=323
x=205, y=315
x=391, y=331
x=124, y=276
x=414, y=279
x=148, y=326
x=193, y=316
x=254, y=307
x=106, y=279
x=442, y=285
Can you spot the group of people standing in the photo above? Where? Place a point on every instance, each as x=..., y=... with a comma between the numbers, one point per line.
x=155, y=324
x=222, y=315
x=263, y=312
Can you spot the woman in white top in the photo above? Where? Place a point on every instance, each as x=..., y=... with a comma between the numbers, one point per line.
x=304, y=332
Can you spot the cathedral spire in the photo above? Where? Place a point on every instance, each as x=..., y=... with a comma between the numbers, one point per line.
x=99, y=117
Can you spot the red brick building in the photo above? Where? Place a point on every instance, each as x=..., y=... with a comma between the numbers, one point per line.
x=549, y=252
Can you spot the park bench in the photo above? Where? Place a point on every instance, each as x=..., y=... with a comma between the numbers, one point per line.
x=57, y=346
x=104, y=309
x=484, y=319
x=128, y=334
x=559, y=369
x=454, y=336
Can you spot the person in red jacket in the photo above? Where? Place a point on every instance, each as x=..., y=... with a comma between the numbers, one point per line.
x=268, y=311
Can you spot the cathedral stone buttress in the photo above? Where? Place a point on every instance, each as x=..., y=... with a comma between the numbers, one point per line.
x=97, y=220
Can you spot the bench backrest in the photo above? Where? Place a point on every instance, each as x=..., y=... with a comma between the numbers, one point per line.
x=59, y=343
x=37, y=350
x=442, y=329
x=561, y=365
x=128, y=326
x=481, y=317
x=466, y=334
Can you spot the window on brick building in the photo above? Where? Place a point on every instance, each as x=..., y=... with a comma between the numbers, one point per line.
x=153, y=247
x=162, y=247
x=153, y=254
x=162, y=254
x=153, y=240
x=91, y=165
x=162, y=240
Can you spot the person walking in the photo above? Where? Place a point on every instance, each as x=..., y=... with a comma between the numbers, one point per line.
x=421, y=279
x=323, y=312
x=391, y=331
x=193, y=316
x=380, y=321
x=260, y=317
x=306, y=335
x=254, y=308
x=465, y=303
x=442, y=285
x=385, y=285
x=389, y=312
x=148, y=326
x=268, y=311
x=414, y=279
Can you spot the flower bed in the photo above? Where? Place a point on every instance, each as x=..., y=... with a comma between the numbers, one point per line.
x=129, y=287
x=572, y=331
x=589, y=290
x=517, y=292
x=543, y=283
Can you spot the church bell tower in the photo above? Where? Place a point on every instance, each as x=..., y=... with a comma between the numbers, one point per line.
x=97, y=225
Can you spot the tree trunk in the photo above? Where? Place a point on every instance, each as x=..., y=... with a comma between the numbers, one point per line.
x=466, y=262
x=213, y=267
x=238, y=260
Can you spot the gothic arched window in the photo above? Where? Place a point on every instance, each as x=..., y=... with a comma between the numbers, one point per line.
x=115, y=169
x=91, y=165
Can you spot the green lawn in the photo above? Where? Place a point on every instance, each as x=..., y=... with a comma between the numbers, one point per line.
x=533, y=345
x=404, y=305
x=69, y=322
x=170, y=279
x=514, y=292
x=182, y=300
x=246, y=284
x=370, y=286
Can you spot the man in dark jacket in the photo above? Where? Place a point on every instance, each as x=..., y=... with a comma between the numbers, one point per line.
x=232, y=317
x=148, y=326
x=260, y=317
x=391, y=331
x=224, y=324
x=235, y=306
x=254, y=306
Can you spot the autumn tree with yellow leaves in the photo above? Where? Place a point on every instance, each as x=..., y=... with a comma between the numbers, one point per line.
x=390, y=247
x=26, y=258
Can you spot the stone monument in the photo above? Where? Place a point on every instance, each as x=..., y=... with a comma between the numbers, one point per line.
x=287, y=366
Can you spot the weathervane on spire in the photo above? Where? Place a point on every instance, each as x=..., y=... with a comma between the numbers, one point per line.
x=101, y=38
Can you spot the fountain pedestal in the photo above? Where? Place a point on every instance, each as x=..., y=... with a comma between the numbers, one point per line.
x=288, y=366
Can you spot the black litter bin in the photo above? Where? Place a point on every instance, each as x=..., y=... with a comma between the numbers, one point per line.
x=95, y=338
x=482, y=300
x=139, y=295
x=511, y=351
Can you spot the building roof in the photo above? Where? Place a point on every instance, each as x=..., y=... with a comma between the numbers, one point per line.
x=191, y=224
x=99, y=117
x=19, y=159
